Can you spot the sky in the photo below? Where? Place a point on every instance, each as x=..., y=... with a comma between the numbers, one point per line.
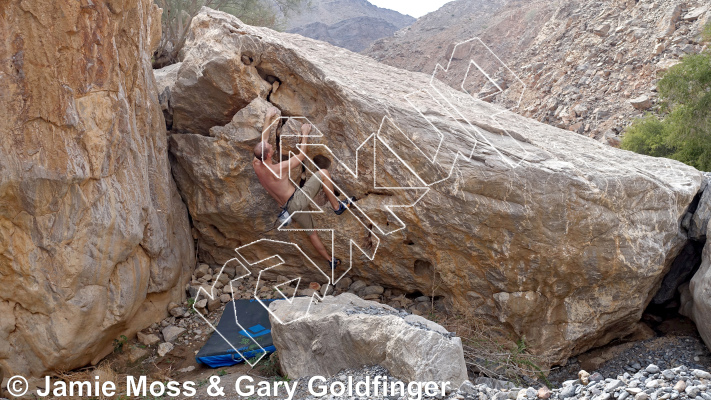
x=415, y=8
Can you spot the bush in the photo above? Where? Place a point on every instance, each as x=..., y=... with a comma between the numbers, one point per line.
x=682, y=130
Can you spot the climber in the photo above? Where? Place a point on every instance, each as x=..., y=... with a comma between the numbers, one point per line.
x=275, y=179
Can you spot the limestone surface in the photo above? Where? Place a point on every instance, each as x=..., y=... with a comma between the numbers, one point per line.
x=347, y=332
x=94, y=238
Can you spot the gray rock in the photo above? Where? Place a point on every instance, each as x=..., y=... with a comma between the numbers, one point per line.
x=136, y=354
x=356, y=286
x=201, y=306
x=494, y=383
x=701, y=374
x=652, y=369
x=322, y=339
x=177, y=311
x=214, y=304
x=692, y=391
x=695, y=13
x=164, y=348
x=467, y=388
x=567, y=391
x=368, y=290
x=668, y=374
x=614, y=385
x=641, y=103
x=202, y=270
x=602, y=30
x=148, y=339
x=700, y=219
x=172, y=332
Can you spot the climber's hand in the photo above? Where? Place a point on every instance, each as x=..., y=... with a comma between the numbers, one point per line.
x=272, y=112
x=305, y=131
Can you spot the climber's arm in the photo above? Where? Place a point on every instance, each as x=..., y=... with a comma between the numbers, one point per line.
x=269, y=118
x=295, y=160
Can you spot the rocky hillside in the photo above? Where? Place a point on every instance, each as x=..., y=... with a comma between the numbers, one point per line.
x=540, y=232
x=589, y=67
x=351, y=24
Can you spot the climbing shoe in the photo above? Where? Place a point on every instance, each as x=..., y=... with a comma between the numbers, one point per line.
x=334, y=263
x=344, y=205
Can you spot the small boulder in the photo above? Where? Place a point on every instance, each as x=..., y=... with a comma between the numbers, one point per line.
x=214, y=304
x=201, y=306
x=602, y=30
x=136, y=354
x=164, y=348
x=356, y=286
x=344, y=284
x=544, y=393
x=172, y=332
x=177, y=311
x=202, y=270
x=467, y=388
x=230, y=272
x=148, y=339
x=641, y=103
x=368, y=290
x=596, y=377
x=695, y=13
x=225, y=298
x=584, y=377
x=701, y=374
x=326, y=337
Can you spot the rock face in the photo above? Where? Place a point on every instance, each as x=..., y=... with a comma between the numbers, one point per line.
x=94, y=238
x=348, y=332
x=550, y=235
x=696, y=297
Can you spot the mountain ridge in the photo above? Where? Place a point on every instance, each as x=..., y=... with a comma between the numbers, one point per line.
x=351, y=24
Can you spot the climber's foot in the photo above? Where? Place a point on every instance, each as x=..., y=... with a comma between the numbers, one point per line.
x=344, y=205
x=334, y=263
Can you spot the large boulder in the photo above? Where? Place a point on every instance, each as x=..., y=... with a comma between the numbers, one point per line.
x=696, y=295
x=94, y=238
x=347, y=332
x=548, y=234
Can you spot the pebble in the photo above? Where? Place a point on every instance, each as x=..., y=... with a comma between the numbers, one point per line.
x=648, y=383
x=680, y=386
x=652, y=369
x=701, y=374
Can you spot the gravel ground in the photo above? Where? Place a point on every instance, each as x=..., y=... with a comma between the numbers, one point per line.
x=665, y=352
x=649, y=383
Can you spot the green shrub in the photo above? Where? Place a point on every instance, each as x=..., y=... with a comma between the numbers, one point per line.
x=682, y=129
